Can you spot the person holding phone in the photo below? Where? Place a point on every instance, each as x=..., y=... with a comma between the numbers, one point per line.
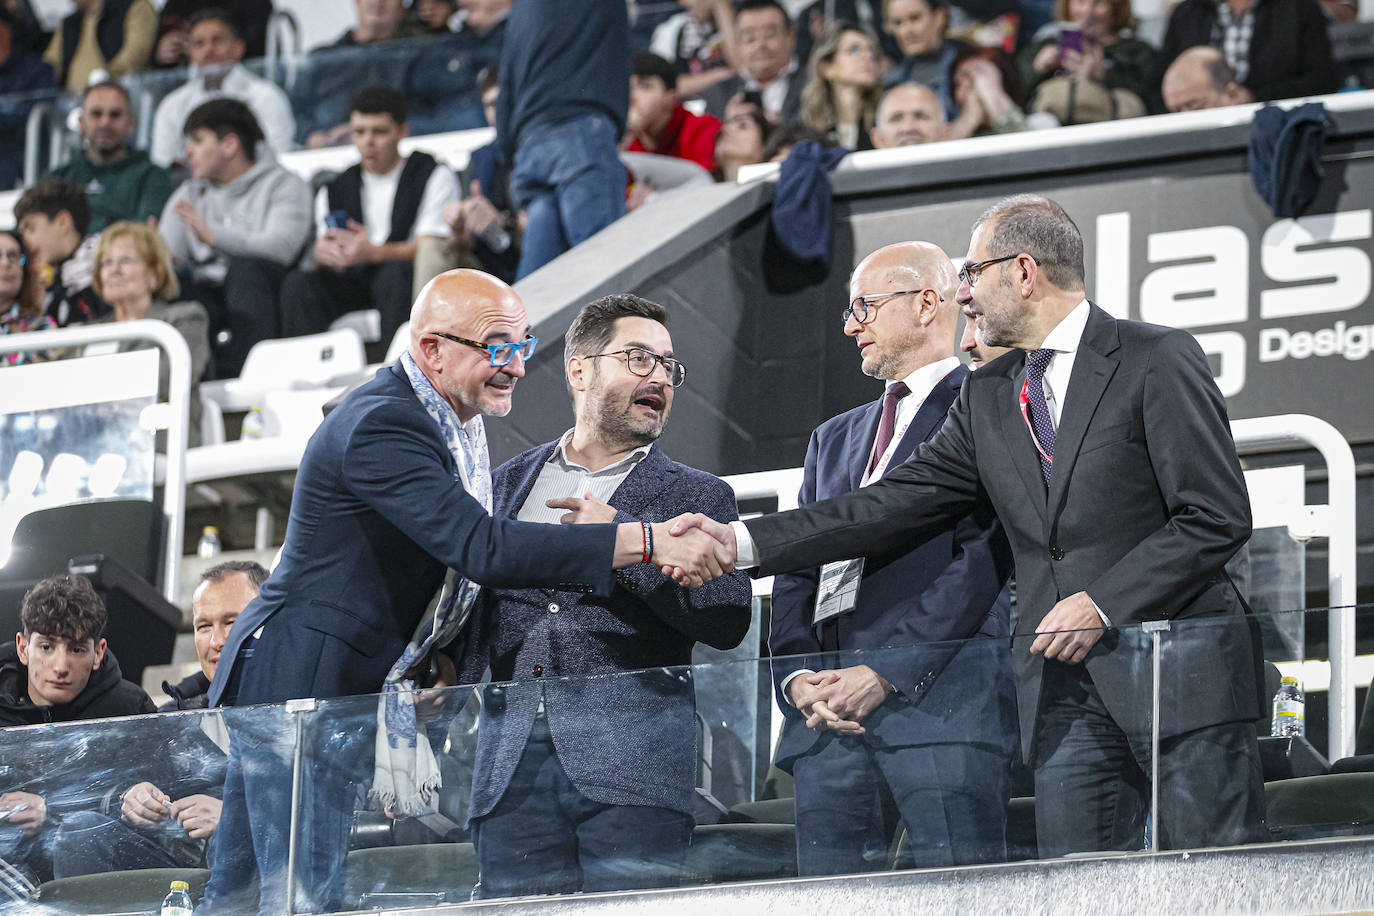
x=1093, y=44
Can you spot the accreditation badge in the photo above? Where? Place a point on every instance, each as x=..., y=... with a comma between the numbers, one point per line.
x=839, y=589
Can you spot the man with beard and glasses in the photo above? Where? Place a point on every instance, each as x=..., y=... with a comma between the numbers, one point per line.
x=586, y=783
x=120, y=182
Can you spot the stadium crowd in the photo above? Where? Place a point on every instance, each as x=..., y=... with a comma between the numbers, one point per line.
x=717, y=84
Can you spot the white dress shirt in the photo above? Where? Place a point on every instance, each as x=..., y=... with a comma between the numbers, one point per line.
x=379, y=195
x=561, y=477
x=267, y=101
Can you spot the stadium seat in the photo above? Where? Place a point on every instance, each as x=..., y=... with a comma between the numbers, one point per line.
x=288, y=363
x=390, y=876
x=118, y=892
x=1338, y=804
x=367, y=322
x=740, y=852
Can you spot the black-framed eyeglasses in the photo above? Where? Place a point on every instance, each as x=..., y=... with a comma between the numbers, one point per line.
x=501, y=354
x=970, y=273
x=641, y=362
x=862, y=307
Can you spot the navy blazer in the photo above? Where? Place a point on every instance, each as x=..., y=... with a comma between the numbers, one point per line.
x=1145, y=506
x=622, y=738
x=377, y=517
x=948, y=588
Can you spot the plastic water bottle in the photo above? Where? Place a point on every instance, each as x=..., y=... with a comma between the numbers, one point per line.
x=209, y=545
x=178, y=900
x=252, y=425
x=1288, y=710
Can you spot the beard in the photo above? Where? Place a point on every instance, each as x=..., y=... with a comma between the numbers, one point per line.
x=617, y=424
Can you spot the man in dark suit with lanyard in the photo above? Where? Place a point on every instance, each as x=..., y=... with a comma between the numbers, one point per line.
x=1106, y=452
x=940, y=759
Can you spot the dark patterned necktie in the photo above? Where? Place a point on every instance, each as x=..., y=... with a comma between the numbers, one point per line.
x=1037, y=361
x=887, y=422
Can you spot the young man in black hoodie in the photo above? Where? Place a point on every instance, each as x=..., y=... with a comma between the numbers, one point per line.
x=58, y=670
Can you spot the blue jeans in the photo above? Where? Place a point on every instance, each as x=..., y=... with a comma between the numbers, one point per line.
x=569, y=181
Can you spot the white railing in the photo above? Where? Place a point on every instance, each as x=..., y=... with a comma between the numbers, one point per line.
x=1334, y=521
x=173, y=346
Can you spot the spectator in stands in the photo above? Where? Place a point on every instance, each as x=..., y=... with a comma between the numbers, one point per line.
x=1093, y=48
x=657, y=122
x=1279, y=49
x=484, y=227
x=769, y=77
x=434, y=15
x=21, y=302
x=921, y=28
x=165, y=819
x=53, y=216
x=29, y=32
x=986, y=90
x=700, y=44
x=442, y=85
x=908, y=114
x=173, y=48
x=57, y=670
x=782, y=139
x=24, y=79
x=565, y=89
x=134, y=275
x=235, y=227
x=113, y=37
x=120, y=181
x=741, y=141
x=216, y=49
x=841, y=93
x=617, y=759
x=367, y=222
x=1200, y=78
x=337, y=72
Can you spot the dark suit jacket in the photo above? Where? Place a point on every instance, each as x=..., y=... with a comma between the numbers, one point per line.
x=627, y=739
x=1147, y=504
x=376, y=518
x=719, y=95
x=949, y=588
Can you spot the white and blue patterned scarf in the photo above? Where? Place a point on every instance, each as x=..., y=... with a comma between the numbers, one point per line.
x=406, y=773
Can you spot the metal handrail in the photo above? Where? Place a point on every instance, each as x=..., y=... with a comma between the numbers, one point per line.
x=171, y=342
x=1334, y=521
x=282, y=20
x=40, y=116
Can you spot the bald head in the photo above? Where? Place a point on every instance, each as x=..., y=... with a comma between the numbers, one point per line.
x=1200, y=78
x=480, y=308
x=911, y=315
x=908, y=114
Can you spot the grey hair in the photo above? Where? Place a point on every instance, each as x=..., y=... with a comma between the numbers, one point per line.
x=1037, y=226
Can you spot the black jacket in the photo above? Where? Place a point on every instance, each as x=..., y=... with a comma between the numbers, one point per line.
x=187, y=693
x=106, y=695
x=1290, y=51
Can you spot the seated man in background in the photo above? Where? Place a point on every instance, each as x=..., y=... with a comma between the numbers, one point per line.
x=115, y=36
x=1200, y=78
x=909, y=114
x=57, y=670
x=54, y=216
x=336, y=72
x=235, y=227
x=657, y=122
x=165, y=820
x=217, y=48
x=770, y=78
x=586, y=784
x=1279, y=49
x=700, y=44
x=174, y=28
x=120, y=181
x=367, y=222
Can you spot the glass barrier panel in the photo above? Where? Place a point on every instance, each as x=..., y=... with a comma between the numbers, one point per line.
x=1241, y=761
x=1272, y=571
x=107, y=810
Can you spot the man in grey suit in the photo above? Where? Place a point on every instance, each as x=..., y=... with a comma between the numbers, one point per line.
x=584, y=782
x=1105, y=450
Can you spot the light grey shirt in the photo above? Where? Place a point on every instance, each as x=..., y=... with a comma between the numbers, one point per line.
x=561, y=477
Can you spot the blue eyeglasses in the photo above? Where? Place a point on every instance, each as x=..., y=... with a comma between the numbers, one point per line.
x=501, y=354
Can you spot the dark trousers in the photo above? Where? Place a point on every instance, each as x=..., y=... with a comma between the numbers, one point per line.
x=245, y=306
x=311, y=300
x=1092, y=778
x=546, y=837
x=952, y=799
x=248, y=860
